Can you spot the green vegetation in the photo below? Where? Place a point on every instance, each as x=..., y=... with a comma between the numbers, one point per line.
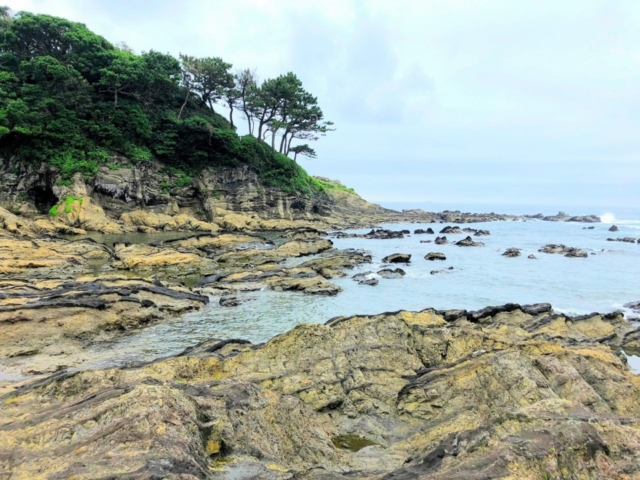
x=68, y=205
x=71, y=99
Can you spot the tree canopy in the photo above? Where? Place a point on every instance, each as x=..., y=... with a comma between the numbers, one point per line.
x=71, y=98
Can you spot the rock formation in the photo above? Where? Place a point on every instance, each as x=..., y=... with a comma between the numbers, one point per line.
x=505, y=392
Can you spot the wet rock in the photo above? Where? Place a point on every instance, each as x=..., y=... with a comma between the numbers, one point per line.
x=468, y=242
x=532, y=257
x=511, y=252
x=482, y=233
x=435, y=256
x=437, y=272
x=441, y=241
x=397, y=258
x=426, y=241
x=563, y=250
x=455, y=230
x=229, y=302
x=588, y=228
x=358, y=277
x=368, y=281
x=625, y=239
x=389, y=273
x=635, y=306
x=613, y=228
x=419, y=231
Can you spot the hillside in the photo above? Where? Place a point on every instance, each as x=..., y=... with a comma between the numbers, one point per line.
x=73, y=101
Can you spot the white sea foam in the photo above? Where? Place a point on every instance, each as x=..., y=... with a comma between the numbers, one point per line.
x=608, y=218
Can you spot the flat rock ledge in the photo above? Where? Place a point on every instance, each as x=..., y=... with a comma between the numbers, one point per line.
x=504, y=392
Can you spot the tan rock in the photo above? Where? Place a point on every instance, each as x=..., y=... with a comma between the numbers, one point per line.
x=434, y=394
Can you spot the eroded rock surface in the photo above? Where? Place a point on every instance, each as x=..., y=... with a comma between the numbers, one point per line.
x=505, y=392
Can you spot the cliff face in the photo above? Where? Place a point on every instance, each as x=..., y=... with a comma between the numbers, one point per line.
x=32, y=190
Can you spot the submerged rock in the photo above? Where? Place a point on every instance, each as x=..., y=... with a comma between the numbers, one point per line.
x=391, y=273
x=229, y=302
x=625, y=239
x=613, y=228
x=532, y=257
x=368, y=281
x=563, y=250
x=441, y=240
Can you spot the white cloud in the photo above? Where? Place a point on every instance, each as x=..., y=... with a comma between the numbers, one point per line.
x=430, y=88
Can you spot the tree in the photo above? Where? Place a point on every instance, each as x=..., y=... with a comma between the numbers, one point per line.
x=189, y=66
x=123, y=76
x=246, y=85
x=231, y=96
x=304, y=150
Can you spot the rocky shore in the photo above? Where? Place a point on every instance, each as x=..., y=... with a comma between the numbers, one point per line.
x=505, y=392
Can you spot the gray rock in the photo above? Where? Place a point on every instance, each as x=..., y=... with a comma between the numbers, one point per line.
x=613, y=228
x=511, y=252
x=441, y=240
x=397, y=258
x=435, y=256
x=468, y=242
x=369, y=281
x=389, y=273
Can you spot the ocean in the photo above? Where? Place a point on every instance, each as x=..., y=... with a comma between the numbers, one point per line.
x=480, y=277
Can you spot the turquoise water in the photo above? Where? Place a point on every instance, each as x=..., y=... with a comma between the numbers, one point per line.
x=481, y=276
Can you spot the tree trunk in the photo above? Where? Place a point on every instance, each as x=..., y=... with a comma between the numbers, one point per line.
x=289, y=145
x=231, y=116
x=295, y=155
x=115, y=92
x=273, y=140
x=184, y=104
x=283, y=142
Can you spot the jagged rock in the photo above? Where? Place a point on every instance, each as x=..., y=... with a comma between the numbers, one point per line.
x=482, y=233
x=369, y=281
x=505, y=392
x=391, y=273
x=468, y=242
x=435, y=256
x=441, y=241
x=563, y=250
x=613, y=228
x=54, y=316
x=397, y=258
x=511, y=252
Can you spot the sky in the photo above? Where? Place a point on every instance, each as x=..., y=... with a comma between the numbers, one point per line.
x=474, y=102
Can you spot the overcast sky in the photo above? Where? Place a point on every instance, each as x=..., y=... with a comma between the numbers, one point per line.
x=456, y=101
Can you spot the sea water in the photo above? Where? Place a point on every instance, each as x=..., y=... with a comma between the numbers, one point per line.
x=481, y=276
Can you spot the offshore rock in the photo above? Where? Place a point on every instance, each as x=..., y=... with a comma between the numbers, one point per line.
x=455, y=230
x=435, y=256
x=511, y=252
x=441, y=241
x=613, y=228
x=515, y=392
x=564, y=250
x=468, y=242
x=397, y=258
x=391, y=273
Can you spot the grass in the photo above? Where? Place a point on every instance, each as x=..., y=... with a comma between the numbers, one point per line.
x=68, y=205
